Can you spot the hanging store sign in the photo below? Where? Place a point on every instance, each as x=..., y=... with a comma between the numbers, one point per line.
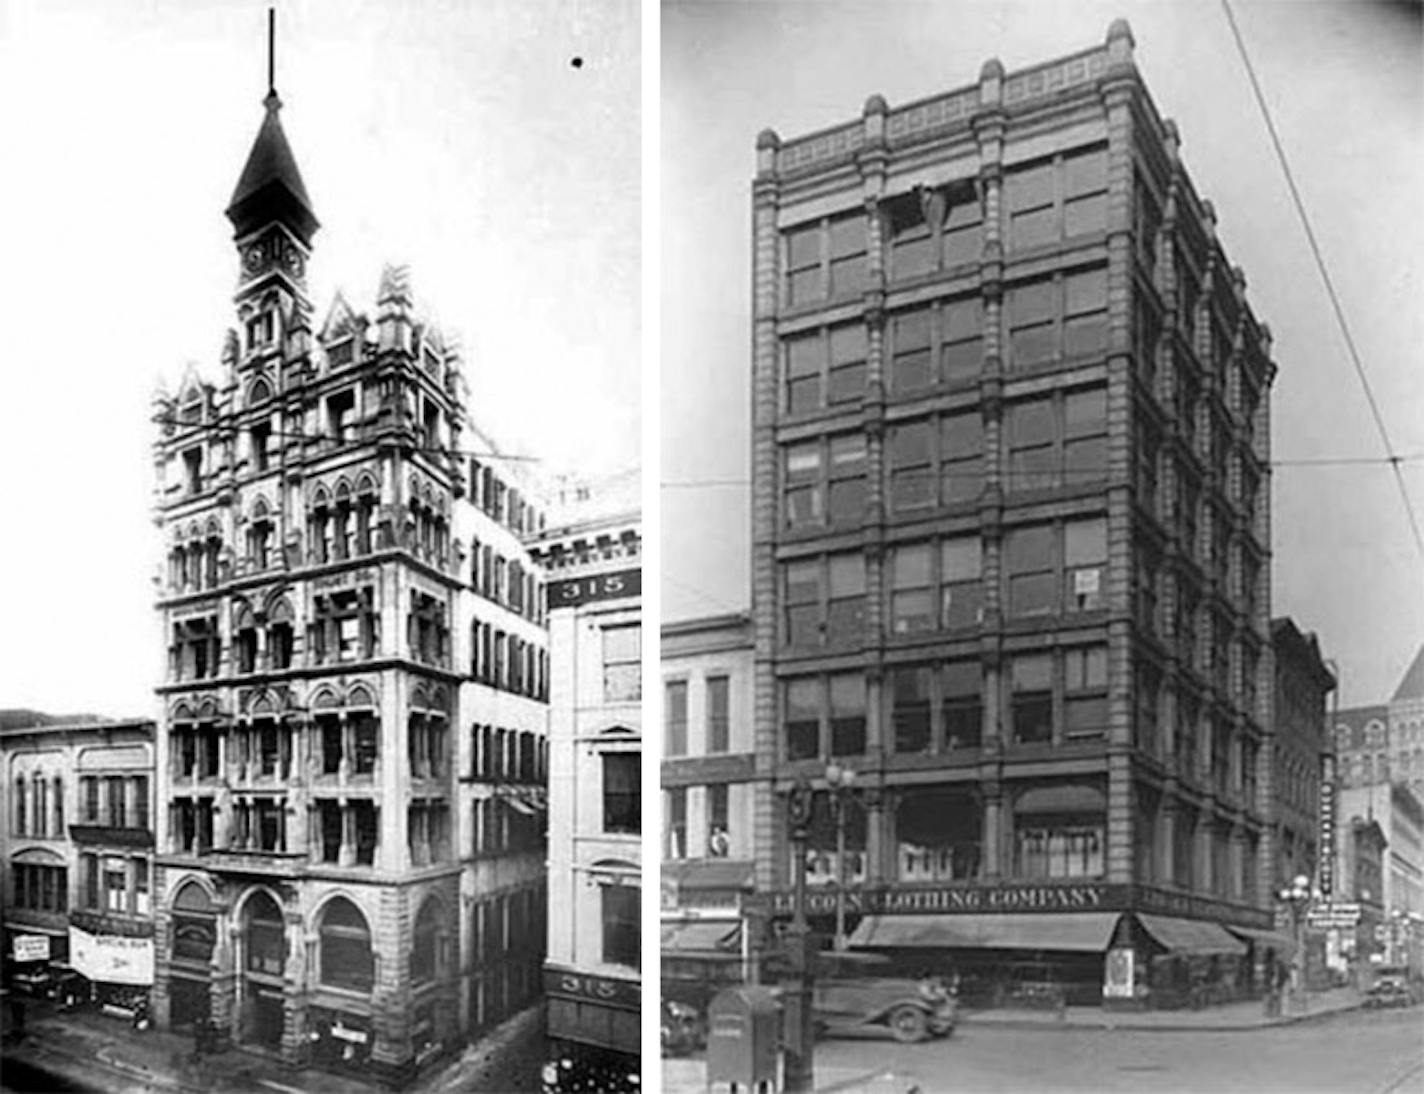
x=1327, y=824
x=31, y=947
x=111, y=959
x=587, y=590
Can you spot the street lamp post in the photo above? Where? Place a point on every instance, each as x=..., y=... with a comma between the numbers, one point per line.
x=839, y=779
x=1296, y=896
x=799, y=1046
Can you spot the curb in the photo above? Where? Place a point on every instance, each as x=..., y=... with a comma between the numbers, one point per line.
x=1144, y=1027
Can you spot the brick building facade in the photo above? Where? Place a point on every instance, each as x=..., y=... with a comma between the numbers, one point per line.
x=1011, y=528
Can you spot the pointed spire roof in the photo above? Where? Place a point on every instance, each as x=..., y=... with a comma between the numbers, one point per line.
x=1412, y=686
x=271, y=187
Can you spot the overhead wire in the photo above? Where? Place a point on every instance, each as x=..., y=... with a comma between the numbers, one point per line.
x=1391, y=456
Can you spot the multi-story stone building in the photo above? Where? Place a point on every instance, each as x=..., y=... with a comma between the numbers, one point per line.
x=1011, y=530
x=77, y=848
x=351, y=745
x=1302, y=747
x=592, y=554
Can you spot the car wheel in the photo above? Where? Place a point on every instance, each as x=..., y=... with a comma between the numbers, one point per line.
x=908, y=1024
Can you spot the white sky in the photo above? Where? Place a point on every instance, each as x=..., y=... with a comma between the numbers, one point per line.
x=460, y=141
x=1343, y=81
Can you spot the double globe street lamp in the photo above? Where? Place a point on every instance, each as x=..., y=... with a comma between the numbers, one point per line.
x=1297, y=897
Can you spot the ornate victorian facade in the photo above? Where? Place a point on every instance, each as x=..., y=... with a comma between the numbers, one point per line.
x=349, y=757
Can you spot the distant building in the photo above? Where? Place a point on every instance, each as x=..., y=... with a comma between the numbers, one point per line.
x=1302, y=743
x=76, y=844
x=709, y=783
x=1011, y=536
x=591, y=551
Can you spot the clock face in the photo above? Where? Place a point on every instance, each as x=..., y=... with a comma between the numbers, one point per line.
x=294, y=262
x=253, y=258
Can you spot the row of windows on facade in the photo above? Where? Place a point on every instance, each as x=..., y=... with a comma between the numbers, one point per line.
x=340, y=744
x=348, y=834
x=717, y=801
x=345, y=627
x=1297, y=777
x=1052, y=832
x=1052, y=569
x=1044, y=203
x=507, y=582
x=508, y=755
x=343, y=954
x=508, y=662
x=1369, y=769
x=942, y=229
x=333, y=535
x=339, y=421
x=1049, y=698
x=37, y=806
x=717, y=737
x=502, y=503
x=1049, y=441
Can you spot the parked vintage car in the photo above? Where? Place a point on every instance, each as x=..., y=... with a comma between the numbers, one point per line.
x=855, y=995
x=683, y=1030
x=1393, y=987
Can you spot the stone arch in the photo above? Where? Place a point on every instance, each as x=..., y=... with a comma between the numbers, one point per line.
x=259, y=392
x=192, y=893
x=326, y=699
x=360, y=696
x=429, y=939
x=367, y=484
x=343, y=489
x=181, y=712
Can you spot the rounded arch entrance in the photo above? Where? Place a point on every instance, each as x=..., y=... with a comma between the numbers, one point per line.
x=261, y=958
x=193, y=926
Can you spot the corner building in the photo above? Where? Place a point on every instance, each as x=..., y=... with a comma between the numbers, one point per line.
x=351, y=750
x=1010, y=537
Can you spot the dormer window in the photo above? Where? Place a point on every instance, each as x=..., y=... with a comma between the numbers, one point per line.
x=260, y=330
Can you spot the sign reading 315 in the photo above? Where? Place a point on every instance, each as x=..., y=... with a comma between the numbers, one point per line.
x=584, y=590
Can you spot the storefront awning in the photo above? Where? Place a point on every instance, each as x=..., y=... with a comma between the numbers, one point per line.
x=1274, y=940
x=1087, y=932
x=1190, y=935
x=708, y=936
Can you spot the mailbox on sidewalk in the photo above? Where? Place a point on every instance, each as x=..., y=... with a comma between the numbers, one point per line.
x=743, y=1038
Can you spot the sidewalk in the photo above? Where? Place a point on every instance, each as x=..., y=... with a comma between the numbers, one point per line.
x=1245, y=1015
x=86, y=1046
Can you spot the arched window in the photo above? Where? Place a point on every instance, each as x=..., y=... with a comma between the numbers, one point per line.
x=20, y=826
x=266, y=936
x=346, y=960
x=426, y=944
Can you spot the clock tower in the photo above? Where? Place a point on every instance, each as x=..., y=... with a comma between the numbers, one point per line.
x=273, y=224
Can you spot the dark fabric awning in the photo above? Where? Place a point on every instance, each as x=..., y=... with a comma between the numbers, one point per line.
x=1087, y=932
x=1274, y=940
x=701, y=936
x=1191, y=935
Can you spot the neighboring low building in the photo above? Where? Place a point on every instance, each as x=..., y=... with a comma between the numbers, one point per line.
x=77, y=848
x=591, y=552
x=1302, y=742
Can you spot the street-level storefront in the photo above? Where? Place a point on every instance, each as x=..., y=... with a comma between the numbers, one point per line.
x=1082, y=943
x=598, y=1011
x=115, y=957
x=34, y=954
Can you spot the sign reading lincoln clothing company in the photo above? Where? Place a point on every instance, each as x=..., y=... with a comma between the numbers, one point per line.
x=585, y=590
x=111, y=959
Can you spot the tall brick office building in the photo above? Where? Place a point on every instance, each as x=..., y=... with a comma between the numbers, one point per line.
x=1011, y=536
x=352, y=746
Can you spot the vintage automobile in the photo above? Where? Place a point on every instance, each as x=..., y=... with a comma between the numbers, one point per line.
x=682, y=1030
x=1392, y=987
x=855, y=995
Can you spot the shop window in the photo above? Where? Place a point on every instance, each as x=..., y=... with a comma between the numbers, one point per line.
x=675, y=718
x=622, y=663
x=1059, y=832
x=265, y=936
x=824, y=866
x=346, y=959
x=939, y=836
x=1031, y=679
x=622, y=783
x=621, y=917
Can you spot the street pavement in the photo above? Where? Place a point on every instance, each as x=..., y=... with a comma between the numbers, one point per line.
x=88, y=1051
x=1341, y=1051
